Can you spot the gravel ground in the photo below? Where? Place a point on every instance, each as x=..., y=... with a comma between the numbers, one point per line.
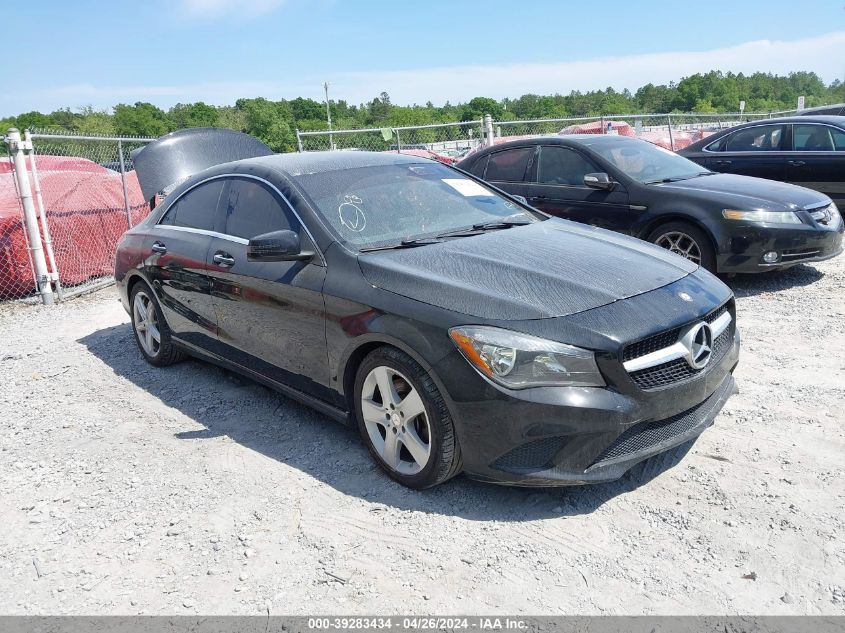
x=129, y=489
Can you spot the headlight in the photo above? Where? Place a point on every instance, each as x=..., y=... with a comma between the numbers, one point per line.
x=518, y=361
x=769, y=217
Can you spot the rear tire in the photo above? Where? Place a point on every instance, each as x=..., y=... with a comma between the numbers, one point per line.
x=404, y=420
x=150, y=329
x=686, y=240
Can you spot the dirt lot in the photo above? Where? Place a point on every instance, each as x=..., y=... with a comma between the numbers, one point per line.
x=128, y=489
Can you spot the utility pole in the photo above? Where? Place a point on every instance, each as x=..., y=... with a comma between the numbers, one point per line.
x=328, y=114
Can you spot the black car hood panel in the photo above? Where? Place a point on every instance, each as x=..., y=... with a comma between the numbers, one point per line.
x=746, y=192
x=549, y=269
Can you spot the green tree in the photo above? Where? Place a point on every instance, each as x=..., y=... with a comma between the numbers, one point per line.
x=479, y=106
x=197, y=114
x=94, y=123
x=141, y=119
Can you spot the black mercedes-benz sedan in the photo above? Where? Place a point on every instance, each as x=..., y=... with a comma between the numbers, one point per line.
x=725, y=223
x=807, y=150
x=457, y=328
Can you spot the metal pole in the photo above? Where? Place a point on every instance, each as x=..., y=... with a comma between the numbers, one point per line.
x=17, y=146
x=671, y=138
x=602, y=125
x=328, y=114
x=488, y=129
x=45, y=228
x=298, y=140
x=123, y=181
x=398, y=141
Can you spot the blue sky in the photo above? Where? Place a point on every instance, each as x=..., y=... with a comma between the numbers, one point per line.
x=85, y=52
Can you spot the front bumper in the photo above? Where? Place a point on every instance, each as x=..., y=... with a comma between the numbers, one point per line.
x=567, y=436
x=743, y=250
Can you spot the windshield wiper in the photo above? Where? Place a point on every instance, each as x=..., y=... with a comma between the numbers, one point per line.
x=481, y=227
x=402, y=244
x=673, y=179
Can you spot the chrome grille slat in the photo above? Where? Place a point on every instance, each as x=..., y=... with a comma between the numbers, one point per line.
x=658, y=361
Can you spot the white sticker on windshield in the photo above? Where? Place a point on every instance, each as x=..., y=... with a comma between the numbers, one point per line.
x=467, y=187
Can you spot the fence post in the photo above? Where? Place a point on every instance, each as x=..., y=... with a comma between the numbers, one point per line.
x=488, y=129
x=123, y=182
x=17, y=147
x=398, y=141
x=298, y=140
x=45, y=227
x=671, y=138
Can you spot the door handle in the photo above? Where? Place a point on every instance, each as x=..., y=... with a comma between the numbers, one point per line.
x=796, y=163
x=723, y=162
x=540, y=197
x=158, y=247
x=223, y=259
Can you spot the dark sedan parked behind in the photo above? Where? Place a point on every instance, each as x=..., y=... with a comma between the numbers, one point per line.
x=458, y=329
x=806, y=150
x=725, y=223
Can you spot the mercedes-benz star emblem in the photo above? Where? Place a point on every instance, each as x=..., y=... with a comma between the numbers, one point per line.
x=698, y=340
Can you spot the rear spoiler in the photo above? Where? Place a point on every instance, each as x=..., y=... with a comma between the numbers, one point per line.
x=172, y=158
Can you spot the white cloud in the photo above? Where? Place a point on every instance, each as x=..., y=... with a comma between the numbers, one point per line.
x=822, y=54
x=218, y=8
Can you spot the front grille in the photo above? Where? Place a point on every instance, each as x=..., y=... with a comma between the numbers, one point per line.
x=678, y=370
x=664, y=339
x=824, y=215
x=645, y=435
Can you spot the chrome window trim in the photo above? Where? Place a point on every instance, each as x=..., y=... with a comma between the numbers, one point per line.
x=746, y=151
x=234, y=238
x=675, y=350
x=188, y=229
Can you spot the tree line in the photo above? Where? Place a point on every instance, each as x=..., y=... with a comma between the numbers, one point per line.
x=275, y=122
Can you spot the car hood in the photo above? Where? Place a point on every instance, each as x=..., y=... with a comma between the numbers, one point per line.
x=745, y=192
x=548, y=269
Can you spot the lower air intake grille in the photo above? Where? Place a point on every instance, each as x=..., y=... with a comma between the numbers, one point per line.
x=531, y=455
x=644, y=435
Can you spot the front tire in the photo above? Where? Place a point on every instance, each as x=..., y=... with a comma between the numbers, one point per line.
x=150, y=329
x=686, y=240
x=404, y=420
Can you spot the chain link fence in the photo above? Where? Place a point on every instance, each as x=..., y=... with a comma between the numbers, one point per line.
x=446, y=142
x=85, y=194
x=452, y=141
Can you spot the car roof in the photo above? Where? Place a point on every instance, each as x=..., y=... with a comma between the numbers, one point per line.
x=560, y=139
x=815, y=118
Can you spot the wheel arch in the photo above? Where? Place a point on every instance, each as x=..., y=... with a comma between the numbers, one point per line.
x=362, y=346
x=666, y=218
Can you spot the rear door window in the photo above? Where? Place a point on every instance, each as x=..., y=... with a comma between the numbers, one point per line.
x=252, y=209
x=761, y=138
x=508, y=165
x=195, y=209
x=479, y=167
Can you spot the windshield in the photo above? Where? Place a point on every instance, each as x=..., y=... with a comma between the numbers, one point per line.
x=646, y=162
x=389, y=204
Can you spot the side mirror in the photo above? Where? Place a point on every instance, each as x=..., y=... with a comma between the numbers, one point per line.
x=277, y=246
x=599, y=180
x=521, y=199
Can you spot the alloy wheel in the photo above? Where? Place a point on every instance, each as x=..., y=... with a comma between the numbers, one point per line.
x=396, y=420
x=146, y=323
x=681, y=244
